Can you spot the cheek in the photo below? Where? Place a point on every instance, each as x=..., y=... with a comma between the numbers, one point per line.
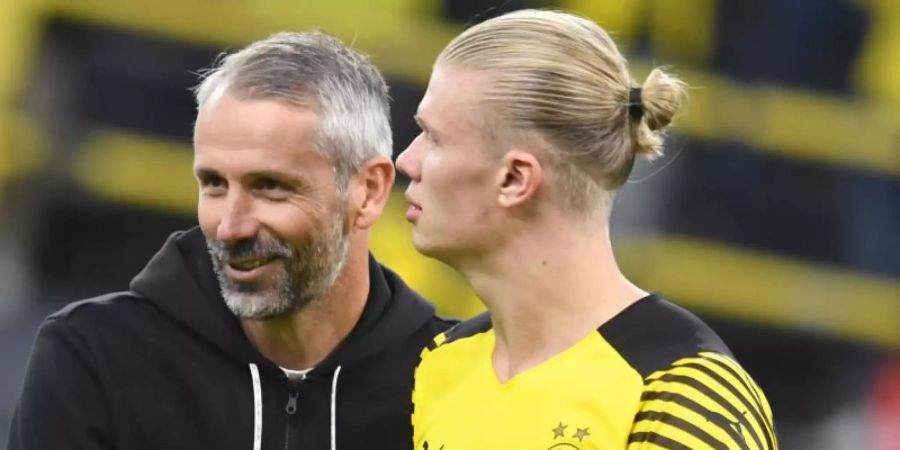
x=461, y=193
x=291, y=222
x=208, y=217
x=445, y=175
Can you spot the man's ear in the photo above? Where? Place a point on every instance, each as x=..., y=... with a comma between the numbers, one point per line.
x=520, y=178
x=370, y=190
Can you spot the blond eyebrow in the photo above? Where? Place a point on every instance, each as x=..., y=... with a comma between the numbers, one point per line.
x=419, y=121
x=424, y=125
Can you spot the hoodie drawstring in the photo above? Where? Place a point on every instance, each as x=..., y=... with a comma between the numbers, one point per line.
x=257, y=408
x=334, y=382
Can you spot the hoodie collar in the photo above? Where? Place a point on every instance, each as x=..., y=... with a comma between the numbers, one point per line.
x=180, y=280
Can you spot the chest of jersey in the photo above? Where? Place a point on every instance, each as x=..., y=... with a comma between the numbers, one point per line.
x=584, y=398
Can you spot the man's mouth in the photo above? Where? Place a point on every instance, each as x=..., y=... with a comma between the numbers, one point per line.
x=250, y=264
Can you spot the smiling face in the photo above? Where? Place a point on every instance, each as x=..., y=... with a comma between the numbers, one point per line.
x=453, y=171
x=269, y=206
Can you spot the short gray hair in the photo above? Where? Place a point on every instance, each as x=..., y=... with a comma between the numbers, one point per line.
x=315, y=70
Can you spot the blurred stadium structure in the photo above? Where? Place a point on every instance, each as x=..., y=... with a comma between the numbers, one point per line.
x=776, y=213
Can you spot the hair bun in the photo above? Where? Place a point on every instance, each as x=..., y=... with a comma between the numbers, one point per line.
x=661, y=96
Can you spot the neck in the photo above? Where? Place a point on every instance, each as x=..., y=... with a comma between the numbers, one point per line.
x=547, y=288
x=304, y=338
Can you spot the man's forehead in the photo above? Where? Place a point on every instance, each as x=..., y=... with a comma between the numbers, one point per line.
x=455, y=92
x=251, y=121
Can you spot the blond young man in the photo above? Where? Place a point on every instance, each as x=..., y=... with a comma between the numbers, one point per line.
x=530, y=124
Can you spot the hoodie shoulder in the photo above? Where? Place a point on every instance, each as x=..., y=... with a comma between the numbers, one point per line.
x=113, y=324
x=89, y=311
x=395, y=318
x=419, y=309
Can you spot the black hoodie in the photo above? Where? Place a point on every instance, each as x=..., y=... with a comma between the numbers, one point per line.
x=166, y=365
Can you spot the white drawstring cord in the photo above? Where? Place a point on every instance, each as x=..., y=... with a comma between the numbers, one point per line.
x=257, y=408
x=334, y=382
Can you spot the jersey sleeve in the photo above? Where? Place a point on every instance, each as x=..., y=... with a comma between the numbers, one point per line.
x=702, y=402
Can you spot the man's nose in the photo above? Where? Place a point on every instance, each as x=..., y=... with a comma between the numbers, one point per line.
x=409, y=160
x=238, y=223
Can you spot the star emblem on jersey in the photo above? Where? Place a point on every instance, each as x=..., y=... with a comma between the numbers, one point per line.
x=559, y=431
x=571, y=441
x=581, y=434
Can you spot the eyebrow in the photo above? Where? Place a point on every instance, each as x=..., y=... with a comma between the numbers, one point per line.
x=284, y=177
x=423, y=124
x=205, y=172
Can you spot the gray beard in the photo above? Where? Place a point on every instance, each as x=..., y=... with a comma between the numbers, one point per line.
x=310, y=271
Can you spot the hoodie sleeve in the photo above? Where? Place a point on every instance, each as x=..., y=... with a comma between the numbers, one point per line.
x=62, y=405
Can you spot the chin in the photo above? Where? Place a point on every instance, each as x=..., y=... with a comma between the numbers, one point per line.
x=434, y=250
x=419, y=244
x=422, y=245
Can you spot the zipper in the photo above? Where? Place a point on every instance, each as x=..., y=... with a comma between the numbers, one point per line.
x=293, y=395
x=291, y=409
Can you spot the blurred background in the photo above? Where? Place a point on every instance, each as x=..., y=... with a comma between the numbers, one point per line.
x=775, y=214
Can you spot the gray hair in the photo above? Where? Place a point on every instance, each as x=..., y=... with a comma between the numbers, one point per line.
x=313, y=70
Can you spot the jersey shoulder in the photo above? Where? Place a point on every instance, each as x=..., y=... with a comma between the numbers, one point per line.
x=653, y=333
x=696, y=395
x=452, y=350
x=446, y=361
x=703, y=402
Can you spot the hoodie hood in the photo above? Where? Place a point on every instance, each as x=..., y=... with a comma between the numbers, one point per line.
x=180, y=280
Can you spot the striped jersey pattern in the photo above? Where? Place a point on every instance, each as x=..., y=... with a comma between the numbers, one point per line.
x=653, y=377
x=705, y=401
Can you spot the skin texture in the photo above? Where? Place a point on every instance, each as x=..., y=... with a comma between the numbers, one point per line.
x=452, y=170
x=266, y=191
x=489, y=209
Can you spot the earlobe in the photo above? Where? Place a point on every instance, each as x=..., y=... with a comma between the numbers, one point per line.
x=374, y=182
x=520, y=178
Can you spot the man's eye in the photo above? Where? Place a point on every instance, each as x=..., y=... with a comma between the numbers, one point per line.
x=268, y=185
x=212, y=182
x=272, y=189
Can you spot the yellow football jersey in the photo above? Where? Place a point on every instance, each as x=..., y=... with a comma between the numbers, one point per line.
x=653, y=377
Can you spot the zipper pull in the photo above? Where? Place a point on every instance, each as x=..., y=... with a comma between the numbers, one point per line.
x=291, y=407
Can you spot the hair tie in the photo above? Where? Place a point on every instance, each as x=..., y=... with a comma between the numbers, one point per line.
x=635, y=104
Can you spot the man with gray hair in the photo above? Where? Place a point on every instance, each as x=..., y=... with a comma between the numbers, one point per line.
x=270, y=325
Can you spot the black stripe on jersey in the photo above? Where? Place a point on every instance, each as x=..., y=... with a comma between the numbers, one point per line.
x=751, y=387
x=652, y=333
x=657, y=439
x=754, y=407
x=714, y=396
x=683, y=425
x=478, y=324
x=745, y=382
x=690, y=404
